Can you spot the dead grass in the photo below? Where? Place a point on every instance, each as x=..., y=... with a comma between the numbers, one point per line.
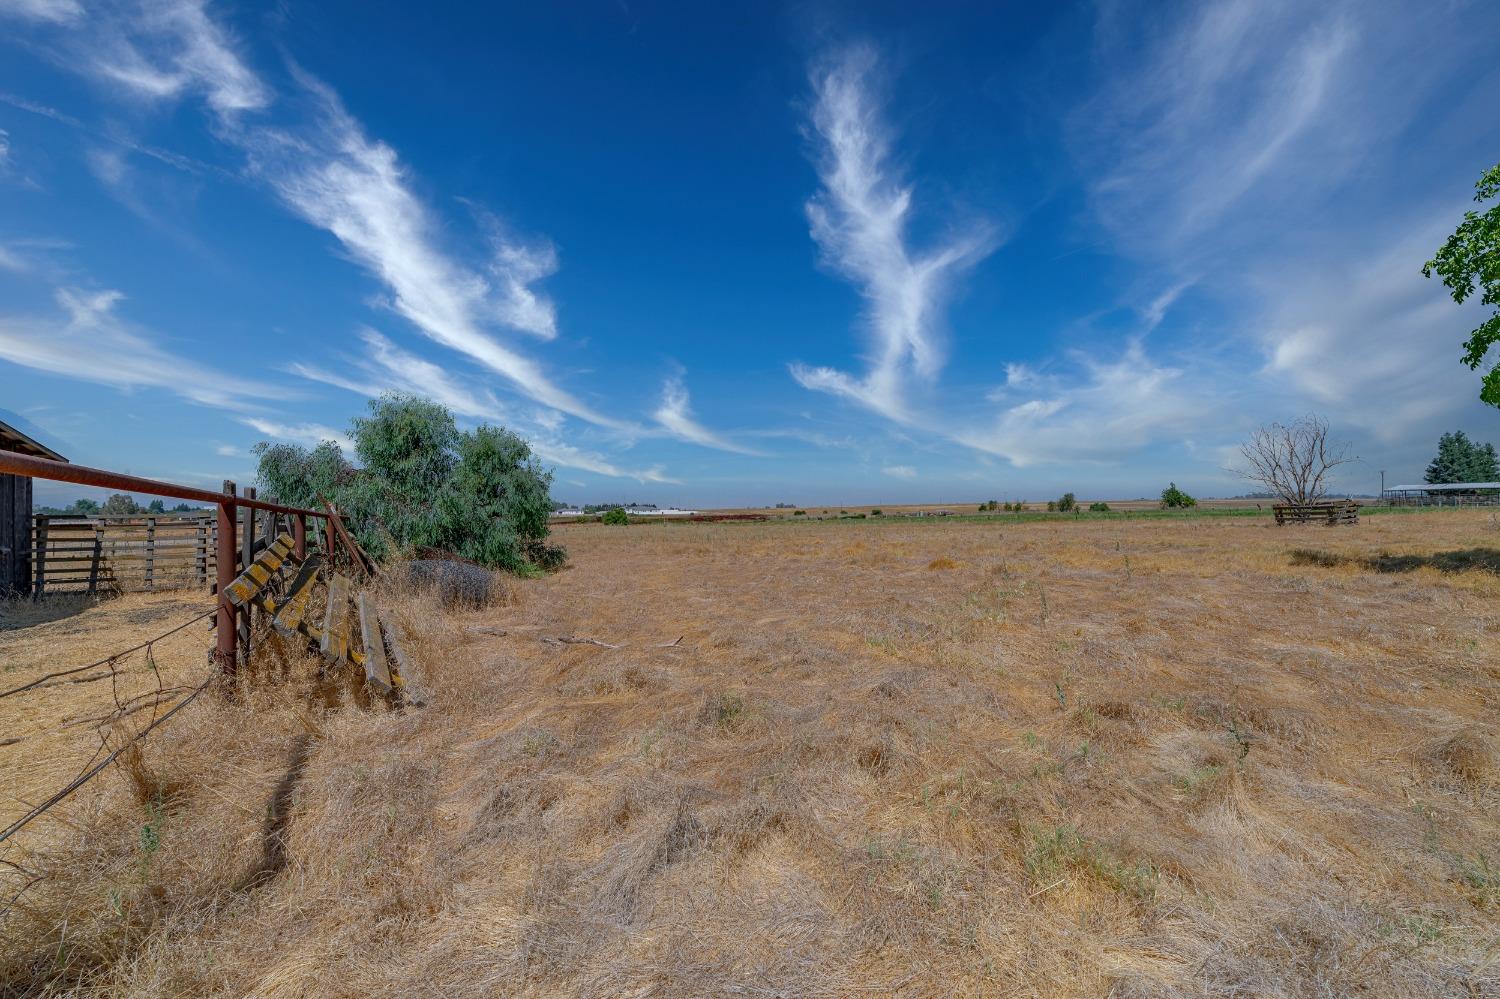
x=1126, y=758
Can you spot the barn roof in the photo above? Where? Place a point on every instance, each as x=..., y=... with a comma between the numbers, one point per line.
x=12, y=439
x=1443, y=487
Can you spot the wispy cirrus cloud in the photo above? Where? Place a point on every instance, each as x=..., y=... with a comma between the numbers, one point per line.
x=1196, y=112
x=328, y=172
x=50, y=11
x=900, y=472
x=675, y=415
x=1095, y=412
x=859, y=220
x=385, y=367
x=338, y=179
x=88, y=340
x=309, y=434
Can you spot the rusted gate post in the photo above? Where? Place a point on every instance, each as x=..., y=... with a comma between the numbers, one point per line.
x=247, y=556
x=299, y=536
x=328, y=539
x=225, y=647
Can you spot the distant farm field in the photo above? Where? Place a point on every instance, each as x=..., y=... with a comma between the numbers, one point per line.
x=1201, y=756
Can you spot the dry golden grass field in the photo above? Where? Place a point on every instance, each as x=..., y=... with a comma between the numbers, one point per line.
x=1132, y=757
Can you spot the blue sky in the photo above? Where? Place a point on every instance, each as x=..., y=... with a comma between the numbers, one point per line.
x=723, y=254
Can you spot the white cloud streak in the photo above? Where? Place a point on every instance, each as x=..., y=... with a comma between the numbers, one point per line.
x=49, y=11
x=859, y=221
x=154, y=50
x=332, y=175
x=675, y=415
x=338, y=179
x=1109, y=409
x=309, y=434
x=1195, y=116
x=388, y=368
x=901, y=472
x=88, y=341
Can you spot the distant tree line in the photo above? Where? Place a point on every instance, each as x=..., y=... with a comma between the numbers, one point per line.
x=117, y=505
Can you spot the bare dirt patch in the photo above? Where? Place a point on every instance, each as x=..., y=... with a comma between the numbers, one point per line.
x=1127, y=757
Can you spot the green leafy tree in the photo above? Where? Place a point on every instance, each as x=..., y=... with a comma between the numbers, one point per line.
x=86, y=507
x=424, y=485
x=616, y=516
x=156, y=506
x=1173, y=498
x=1098, y=508
x=120, y=505
x=1460, y=459
x=1470, y=261
x=1068, y=503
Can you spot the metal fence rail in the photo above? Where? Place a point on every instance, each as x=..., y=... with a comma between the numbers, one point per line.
x=233, y=549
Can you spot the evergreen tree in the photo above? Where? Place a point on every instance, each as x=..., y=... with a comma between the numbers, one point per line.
x=1461, y=460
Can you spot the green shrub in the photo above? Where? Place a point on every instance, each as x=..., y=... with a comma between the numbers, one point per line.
x=1052, y=506
x=424, y=486
x=875, y=512
x=1173, y=498
x=1067, y=503
x=800, y=513
x=616, y=516
x=1098, y=508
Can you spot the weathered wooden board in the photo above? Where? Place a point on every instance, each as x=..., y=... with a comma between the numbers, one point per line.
x=293, y=609
x=401, y=667
x=377, y=673
x=334, y=642
x=250, y=582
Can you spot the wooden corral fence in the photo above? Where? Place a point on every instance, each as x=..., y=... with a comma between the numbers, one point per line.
x=93, y=554
x=1336, y=512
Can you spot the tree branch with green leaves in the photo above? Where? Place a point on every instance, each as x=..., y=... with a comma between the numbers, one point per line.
x=1469, y=262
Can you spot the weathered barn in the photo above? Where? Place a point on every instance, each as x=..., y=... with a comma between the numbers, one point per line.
x=15, y=512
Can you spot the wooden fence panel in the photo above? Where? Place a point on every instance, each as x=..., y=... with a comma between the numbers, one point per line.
x=73, y=554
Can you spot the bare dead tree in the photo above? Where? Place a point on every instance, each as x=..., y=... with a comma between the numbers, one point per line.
x=1293, y=461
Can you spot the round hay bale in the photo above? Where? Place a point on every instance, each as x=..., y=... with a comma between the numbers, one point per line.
x=457, y=584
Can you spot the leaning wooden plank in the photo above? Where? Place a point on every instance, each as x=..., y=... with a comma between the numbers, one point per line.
x=294, y=608
x=401, y=667
x=356, y=553
x=250, y=582
x=377, y=673
x=309, y=631
x=335, y=639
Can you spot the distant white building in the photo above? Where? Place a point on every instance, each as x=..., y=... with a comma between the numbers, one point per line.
x=652, y=511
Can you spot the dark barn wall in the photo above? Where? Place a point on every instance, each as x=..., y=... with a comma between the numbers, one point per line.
x=15, y=534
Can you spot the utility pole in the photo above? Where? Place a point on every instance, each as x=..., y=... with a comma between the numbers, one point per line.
x=1382, y=483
